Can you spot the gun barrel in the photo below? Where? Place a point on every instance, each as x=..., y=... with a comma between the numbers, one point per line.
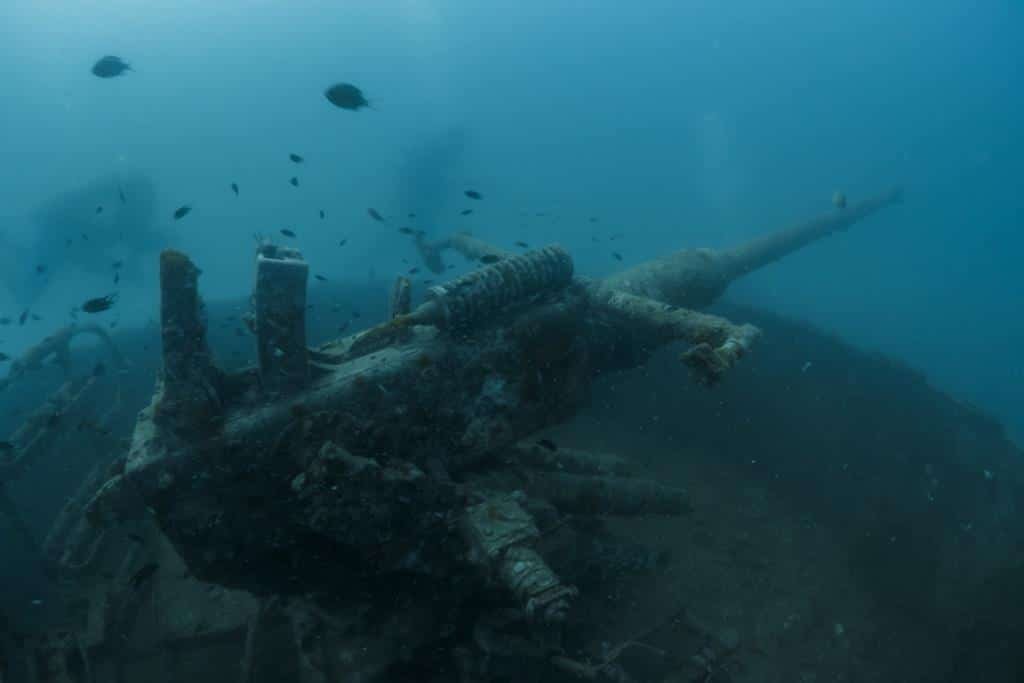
x=759, y=252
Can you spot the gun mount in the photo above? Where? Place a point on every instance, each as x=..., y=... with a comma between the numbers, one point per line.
x=398, y=458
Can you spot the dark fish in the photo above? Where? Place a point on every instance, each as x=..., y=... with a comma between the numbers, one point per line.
x=407, y=231
x=234, y=188
x=117, y=278
x=294, y=181
x=413, y=271
x=296, y=158
x=181, y=212
x=120, y=194
x=116, y=264
x=4, y=357
x=344, y=326
x=548, y=444
x=412, y=215
x=346, y=96
x=839, y=200
x=428, y=282
x=40, y=269
x=322, y=214
x=593, y=219
x=23, y=317
x=99, y=304
x=5, y=321
x=375, y=215
x=99, y=209
x=490, y=258
x=110, y=67
x=287, y=233
x=36, y=317
x=617, y=255
x=465, y=212
x=144, y=574
x=356, y=314
x=321, y=278
x=523, y=245
x=342, y=243
x=473, y=194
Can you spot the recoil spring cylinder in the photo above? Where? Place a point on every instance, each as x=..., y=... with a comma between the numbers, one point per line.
x=487, y=291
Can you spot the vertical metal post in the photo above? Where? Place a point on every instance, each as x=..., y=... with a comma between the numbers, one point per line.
x=280, y=301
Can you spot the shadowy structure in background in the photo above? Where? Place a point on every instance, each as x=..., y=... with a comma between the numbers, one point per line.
x=86, y=229
x=429, y=175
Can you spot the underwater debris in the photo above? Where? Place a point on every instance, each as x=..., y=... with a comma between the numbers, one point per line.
x=346, y=96
x=110, y=66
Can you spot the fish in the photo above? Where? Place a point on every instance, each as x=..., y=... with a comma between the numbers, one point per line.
x=4, y=357
x=322, y=214
x=593, y=219
x=23, y=317
x=375, y=215
x=407, y=231
x=144, y=574
x=36, y=317
x=117, y=278
x=346, y=96
x=522, y=245
x=110, y=66
x=344, y=326
x=116, y=265
x=288, y=233
x=428, y=282
x=5, y=321
x=473, y=194
x=234, y=188
x=342, y=243
x=321, y=278
x=617, y=256
x=412, y=215
x=465, y=212
x=839, y=200
x=296, y=158
x=294, y=181
x=490, y=258
x=413, y=271
x=40, y=269
x=181, y=212
x=99, y=210
x=356, y=314
x=99, y=304
x=120, y=194
x=548, y=444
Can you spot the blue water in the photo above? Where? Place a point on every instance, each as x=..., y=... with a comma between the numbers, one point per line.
x=673, y=123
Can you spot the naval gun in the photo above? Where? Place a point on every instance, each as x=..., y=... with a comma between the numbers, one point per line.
x=398, y=461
